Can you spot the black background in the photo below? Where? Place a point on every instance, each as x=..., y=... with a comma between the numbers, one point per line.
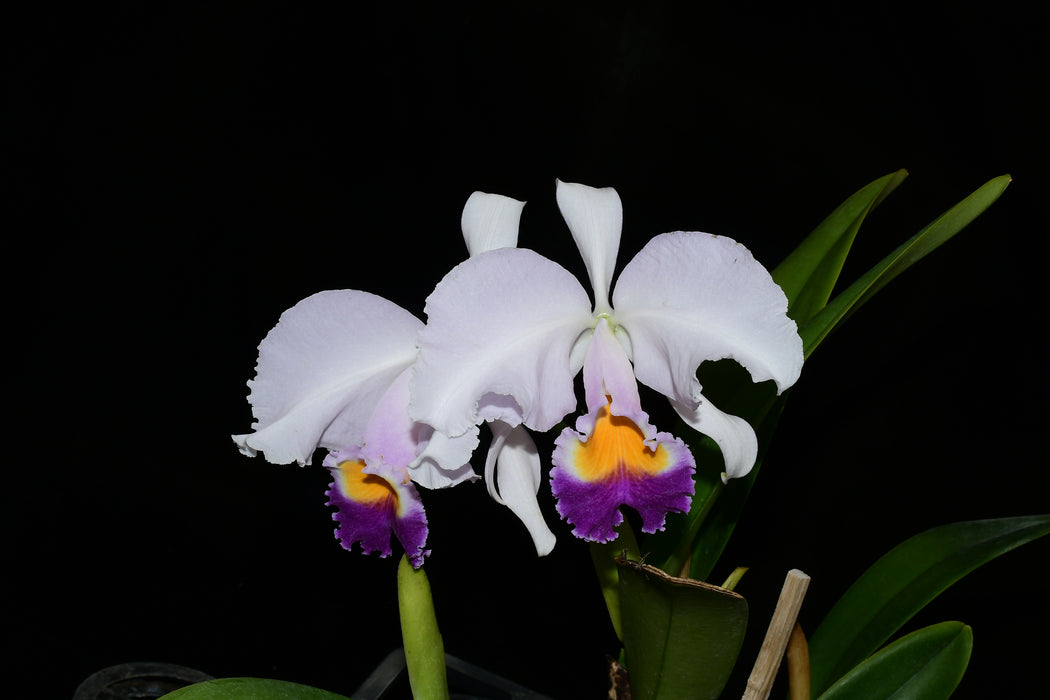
x=180, y=174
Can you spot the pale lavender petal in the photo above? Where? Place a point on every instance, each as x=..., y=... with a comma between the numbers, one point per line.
x=691, y=297
x=500, y=324
x=608, y=376
x=512, y=474
x=734, y=436
x=595, y=219
x=321, y=371
x=391, y=435
x=490, y=221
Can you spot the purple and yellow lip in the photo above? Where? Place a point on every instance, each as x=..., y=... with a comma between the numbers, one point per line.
x=371, y=503
x=615, y=465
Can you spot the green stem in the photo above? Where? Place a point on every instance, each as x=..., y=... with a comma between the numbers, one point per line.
x=424, y=650
x=734, y=578
x=602, y=556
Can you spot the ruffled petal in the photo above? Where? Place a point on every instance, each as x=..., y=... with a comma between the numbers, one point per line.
x=516, y=462
x=499, y=331
x=734, y=436
x=595, y=218
x=690, y=297
x=321, y=371
x=595, y=474
x=490, y=221
x=371, y=503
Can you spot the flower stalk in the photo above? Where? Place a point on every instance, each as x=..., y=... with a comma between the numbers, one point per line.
x=424, y=649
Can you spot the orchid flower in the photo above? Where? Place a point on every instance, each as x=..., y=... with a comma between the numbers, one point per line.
x=508, y=330
x=334, y=374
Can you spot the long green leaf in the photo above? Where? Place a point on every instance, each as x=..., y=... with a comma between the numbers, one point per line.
x=681, y=637
x=902, y=582
x=924, y=665
x=815, y=330
x=424, y=648
x=808, y=274
x=254, y=688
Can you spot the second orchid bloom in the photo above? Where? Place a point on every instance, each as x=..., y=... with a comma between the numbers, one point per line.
x=508, y=330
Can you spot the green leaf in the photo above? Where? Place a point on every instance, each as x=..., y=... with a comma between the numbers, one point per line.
x=424, y=648
x=808, y=274
x=250, y=689
x=924, y=665
x=817, y=328
x=681, y=637
x=902, y=582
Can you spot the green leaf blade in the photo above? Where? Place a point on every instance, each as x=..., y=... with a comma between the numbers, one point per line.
x=255, y=688
x=924, y=665
x=902, y=582
x=817, y=328
x=681, y=637
x=809, y=273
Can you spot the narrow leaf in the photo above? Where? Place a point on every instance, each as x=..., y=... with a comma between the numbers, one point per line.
x=681, y=637
x=902, y=582
x=924, y=665
x=808, y=274
x=424, y=649
x=914, y=249
x=255, y=688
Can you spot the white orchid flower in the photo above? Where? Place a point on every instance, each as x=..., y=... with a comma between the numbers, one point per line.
x=333, y=374
x=508, y=330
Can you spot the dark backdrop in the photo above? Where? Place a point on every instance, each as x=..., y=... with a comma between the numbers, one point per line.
x=180, y=174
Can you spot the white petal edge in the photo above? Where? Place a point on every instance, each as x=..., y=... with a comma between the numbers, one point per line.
x=499, y=324
x=734, y=436
x=512, y=475
x=595, y=219
x=689, y=297
x=321, y=371
x=490, y=221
